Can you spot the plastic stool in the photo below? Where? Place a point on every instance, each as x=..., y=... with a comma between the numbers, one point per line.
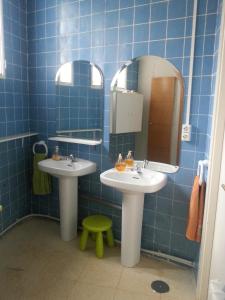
x=96, y=225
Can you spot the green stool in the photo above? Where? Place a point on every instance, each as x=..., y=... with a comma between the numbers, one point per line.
x=96, y=225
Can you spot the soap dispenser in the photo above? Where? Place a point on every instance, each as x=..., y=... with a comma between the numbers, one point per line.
x=55, y=155
x=120, y=164
x=129, y=159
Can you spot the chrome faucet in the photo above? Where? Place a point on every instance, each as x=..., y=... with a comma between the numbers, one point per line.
x=72, y=158
x=138, y=169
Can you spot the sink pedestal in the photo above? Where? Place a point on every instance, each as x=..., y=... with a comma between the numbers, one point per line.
x=133, y=185
x=68, y=207
x=67, y=172
x=132, y=216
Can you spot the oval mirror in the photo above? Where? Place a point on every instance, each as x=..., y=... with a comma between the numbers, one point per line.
x=80, y=100
x=147, y=102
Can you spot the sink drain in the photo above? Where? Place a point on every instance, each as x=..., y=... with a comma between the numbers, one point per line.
x=160, y=286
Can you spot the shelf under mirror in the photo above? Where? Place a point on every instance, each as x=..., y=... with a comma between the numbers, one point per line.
x=71, y=140
x=87, y=136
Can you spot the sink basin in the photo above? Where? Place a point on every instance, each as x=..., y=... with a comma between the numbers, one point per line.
x=133, y=185
x=68, y=173
x=146, y=182
x=66, y=168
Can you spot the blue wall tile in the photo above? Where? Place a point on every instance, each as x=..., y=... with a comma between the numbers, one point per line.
x=158, y=30
x=157, y=48
x=210, y=24
x=141, y=33
x=142, y=14
x=159, y=11
x=177, y=9
x=175, y=48
x=176, y=28
x=126, y=16
x=126, y=34
x=111, y=19
x=126, y=3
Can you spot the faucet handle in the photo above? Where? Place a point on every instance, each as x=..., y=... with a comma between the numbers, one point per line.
x=145, y=163
x=72, y=158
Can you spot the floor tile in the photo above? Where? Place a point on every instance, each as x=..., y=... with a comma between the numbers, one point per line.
x=102, y=272
x=125, y=295
x=138, y=280
x=83, y=291
x=38, y=265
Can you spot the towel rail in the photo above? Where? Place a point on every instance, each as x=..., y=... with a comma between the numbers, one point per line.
x=17, y=136
x=41, y=143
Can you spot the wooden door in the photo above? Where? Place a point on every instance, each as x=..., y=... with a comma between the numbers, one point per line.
x=161, y=118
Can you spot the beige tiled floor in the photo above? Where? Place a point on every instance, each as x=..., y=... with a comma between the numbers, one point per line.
x=36, y=264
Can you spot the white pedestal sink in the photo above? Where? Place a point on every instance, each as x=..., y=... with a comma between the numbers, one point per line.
x=133, y=185
x=67, y=172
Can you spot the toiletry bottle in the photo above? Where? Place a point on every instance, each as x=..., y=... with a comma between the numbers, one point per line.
x=120, y=164
x=129, y=160
x=55, y=155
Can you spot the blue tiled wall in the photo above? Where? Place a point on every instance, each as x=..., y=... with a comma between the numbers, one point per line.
x=132, y=76
x=107, y=33
x=14, y=117
x=14, y=102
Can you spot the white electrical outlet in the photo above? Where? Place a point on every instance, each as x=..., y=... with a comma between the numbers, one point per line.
x=186, y=133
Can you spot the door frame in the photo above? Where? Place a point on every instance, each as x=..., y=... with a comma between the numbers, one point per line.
x=215, y=158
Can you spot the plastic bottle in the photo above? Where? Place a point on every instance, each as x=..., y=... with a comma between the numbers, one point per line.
x=120, y=164
x=55, y=155
x=129, y=159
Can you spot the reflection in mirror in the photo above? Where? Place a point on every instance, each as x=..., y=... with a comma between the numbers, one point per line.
x=80, y=100
x=64, y=75
x=147, y=102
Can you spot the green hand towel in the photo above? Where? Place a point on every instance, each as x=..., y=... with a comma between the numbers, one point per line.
x=41, y=180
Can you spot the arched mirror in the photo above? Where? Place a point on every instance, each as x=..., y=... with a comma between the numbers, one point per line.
x=147, y=102
x=80, y=100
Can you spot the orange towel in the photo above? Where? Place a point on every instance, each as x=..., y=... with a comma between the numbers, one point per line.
x=196, y=211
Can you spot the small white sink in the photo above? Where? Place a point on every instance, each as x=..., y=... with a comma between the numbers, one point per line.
x=67, y=172
x=134, y=185
x=65, y=168
x=146, y=182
